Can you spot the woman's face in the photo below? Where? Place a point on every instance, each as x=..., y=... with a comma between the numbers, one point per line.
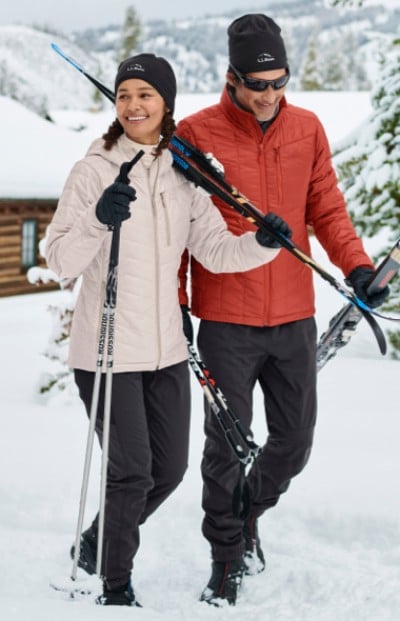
x=140, y=110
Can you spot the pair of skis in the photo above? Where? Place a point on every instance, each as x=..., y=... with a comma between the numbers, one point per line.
x=198, y=168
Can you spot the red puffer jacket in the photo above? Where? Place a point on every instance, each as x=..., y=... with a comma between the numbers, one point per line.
x=287, y=170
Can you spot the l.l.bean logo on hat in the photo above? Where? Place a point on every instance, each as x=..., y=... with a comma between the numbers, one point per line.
x=135, y=67
x=265, y=57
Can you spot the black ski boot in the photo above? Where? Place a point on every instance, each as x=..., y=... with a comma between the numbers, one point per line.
x=254, y=560
x=124, y=596
x=224, y=584
x=88, y=551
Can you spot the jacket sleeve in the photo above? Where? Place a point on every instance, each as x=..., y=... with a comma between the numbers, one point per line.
x=328, y=215
x=216, y=248
x=75, y=234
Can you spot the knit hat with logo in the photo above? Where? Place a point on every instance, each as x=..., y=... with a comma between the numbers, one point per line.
x=152, y=69
x=255, y=44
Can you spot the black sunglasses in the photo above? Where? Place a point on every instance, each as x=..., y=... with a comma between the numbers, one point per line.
x=261, y=85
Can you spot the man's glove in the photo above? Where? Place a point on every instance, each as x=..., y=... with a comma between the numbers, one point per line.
x=279, y=225
x=359, y=279
x=187, y=323
x=113, y=205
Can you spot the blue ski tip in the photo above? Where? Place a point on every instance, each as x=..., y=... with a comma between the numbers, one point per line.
x=59, y=51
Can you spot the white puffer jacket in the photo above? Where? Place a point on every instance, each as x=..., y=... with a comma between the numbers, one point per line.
x=168, y=215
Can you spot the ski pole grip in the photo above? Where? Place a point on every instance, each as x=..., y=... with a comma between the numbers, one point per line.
x=126, y=168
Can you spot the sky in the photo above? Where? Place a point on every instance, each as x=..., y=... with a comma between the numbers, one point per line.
x=68, y=15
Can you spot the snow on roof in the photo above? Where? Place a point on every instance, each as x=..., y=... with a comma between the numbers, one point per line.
x=37, y=155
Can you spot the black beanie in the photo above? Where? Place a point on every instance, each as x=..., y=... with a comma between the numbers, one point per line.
x=152, y=69
x=255, y=44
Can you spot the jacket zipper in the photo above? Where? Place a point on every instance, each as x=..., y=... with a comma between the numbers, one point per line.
x=157, y=261
x=278, y=174
x=167, y=223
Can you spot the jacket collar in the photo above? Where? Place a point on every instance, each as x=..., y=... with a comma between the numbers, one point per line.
x=240, y=117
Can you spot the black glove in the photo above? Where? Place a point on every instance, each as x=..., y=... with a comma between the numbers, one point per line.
x=113, y=205
x=359, y=279
x=187, y=323
x=279, y=225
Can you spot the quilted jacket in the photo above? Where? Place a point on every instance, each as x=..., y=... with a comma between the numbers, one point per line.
x=168, y=215
x=286, y=170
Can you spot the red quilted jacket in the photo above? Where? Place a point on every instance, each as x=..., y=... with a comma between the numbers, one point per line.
x=287, y=170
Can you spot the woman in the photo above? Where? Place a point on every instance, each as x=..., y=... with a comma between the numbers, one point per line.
x=150, y=398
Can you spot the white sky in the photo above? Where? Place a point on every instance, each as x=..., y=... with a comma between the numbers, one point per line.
x=68, y=15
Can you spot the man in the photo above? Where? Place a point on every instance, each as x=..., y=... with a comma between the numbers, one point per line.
x=259, y=326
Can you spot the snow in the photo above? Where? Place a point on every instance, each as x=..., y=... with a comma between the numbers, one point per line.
x=332, y=543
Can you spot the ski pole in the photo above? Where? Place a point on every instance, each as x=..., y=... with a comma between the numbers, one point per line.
x=234, y=432
x=106, y=331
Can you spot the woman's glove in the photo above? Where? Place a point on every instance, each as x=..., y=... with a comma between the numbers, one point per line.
x=113, y=205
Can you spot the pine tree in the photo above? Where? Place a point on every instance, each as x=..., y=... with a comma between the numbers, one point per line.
x=355, y=3
x=310, y=74
x=335, y=65
x=131, y=33
x=59, y=378
x=369, y=169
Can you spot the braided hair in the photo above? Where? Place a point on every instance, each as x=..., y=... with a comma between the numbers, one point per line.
x=116, y=130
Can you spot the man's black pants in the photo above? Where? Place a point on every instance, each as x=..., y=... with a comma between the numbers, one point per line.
x=283, y=360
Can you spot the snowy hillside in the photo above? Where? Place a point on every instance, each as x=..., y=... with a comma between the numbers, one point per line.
x=33, y=74
x=351, y=40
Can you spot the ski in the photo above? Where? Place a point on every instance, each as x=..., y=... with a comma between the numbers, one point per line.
x=198, y=168
x=343, y=325
x=102, y=88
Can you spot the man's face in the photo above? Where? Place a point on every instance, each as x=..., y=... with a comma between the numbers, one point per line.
x=263, y=104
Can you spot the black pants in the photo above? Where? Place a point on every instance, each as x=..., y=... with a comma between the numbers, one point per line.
x=148, y=454
x=283, y=360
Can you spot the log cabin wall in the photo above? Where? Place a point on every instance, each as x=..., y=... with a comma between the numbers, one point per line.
x=23, y=224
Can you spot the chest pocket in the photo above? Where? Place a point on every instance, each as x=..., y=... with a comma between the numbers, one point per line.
x=173, y=219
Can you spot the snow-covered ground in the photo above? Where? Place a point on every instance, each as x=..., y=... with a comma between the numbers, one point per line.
x=332, y=544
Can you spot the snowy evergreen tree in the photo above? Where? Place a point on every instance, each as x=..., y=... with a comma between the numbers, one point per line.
x=131, y=33
x=369, y=169
x=59, y=377
x=335, y=67
x=354, y=3
x=333, y=63
x=310, y=73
